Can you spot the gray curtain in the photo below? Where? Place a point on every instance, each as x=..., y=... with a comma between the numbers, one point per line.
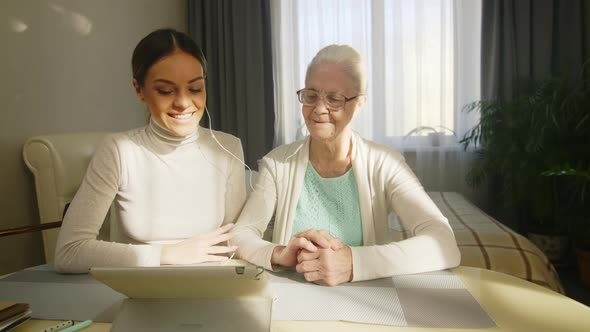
x=235, y=37
x=524, y=41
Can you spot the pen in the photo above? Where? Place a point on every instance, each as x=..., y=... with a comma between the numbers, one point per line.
x=77, y=327
x=59, y=326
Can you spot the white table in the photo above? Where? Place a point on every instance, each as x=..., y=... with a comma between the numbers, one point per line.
x=514, y=304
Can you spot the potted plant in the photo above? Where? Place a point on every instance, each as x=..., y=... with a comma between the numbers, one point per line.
x=577, y=184
x=518, y=140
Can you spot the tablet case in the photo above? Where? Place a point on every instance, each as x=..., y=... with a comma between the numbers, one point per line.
x=190, y=298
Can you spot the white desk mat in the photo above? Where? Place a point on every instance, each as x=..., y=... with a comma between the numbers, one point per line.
x=61, y=297
x=434, y=299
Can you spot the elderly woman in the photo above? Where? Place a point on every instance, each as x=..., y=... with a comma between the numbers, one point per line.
x=332, y=192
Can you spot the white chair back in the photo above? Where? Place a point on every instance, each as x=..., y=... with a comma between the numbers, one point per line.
x=58, y=163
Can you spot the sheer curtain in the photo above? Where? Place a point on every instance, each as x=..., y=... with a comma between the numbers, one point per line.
x=423, y=60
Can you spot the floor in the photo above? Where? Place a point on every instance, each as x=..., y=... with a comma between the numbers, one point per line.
x=570, y=280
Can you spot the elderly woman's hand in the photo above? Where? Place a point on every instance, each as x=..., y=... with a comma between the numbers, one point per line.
x=287, y=255
x=199, y=248
x=309, y=240
x=321, y=238
x=326, y=266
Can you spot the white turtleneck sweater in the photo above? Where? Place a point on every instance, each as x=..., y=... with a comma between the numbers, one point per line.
x=160, y=188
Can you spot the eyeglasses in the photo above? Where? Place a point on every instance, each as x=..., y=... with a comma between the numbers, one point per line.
x=334, y=101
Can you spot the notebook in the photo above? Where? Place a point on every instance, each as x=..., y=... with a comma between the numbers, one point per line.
x=188, y=298
x=13, y=314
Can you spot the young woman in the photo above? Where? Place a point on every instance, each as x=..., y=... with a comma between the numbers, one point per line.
x=172, y=189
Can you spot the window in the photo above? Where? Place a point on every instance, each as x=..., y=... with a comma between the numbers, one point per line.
x=422, y=58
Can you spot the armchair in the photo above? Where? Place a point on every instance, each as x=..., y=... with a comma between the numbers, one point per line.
x=58, y=163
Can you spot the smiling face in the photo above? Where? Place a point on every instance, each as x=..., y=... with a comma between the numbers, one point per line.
x=323, y=123
x=174, y=92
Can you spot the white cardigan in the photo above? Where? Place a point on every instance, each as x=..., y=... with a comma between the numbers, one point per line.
x=385, y=183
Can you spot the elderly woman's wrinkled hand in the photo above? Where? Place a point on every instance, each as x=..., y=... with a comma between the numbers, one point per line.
x=321, y=238
x=310, y=240
x=326, y=267
x=287, y=255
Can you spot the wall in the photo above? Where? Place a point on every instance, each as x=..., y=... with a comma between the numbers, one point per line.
x=64, y=67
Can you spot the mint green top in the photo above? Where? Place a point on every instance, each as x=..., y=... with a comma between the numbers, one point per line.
x=331, y=204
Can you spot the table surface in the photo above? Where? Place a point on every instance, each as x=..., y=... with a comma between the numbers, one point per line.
x=514, y=304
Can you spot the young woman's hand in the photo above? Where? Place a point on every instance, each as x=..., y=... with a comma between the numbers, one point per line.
x=199, y=248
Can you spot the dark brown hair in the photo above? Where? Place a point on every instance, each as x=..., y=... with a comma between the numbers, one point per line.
x=158, y=44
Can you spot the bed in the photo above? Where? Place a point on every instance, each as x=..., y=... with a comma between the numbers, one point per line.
x=486, y=243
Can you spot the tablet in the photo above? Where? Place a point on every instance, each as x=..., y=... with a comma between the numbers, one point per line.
x=188, y=298
x=178, y=281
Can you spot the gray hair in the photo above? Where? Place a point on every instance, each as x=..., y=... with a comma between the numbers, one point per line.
x=349, y=57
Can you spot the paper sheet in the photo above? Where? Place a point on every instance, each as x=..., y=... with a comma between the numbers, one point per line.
x=435, y=299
